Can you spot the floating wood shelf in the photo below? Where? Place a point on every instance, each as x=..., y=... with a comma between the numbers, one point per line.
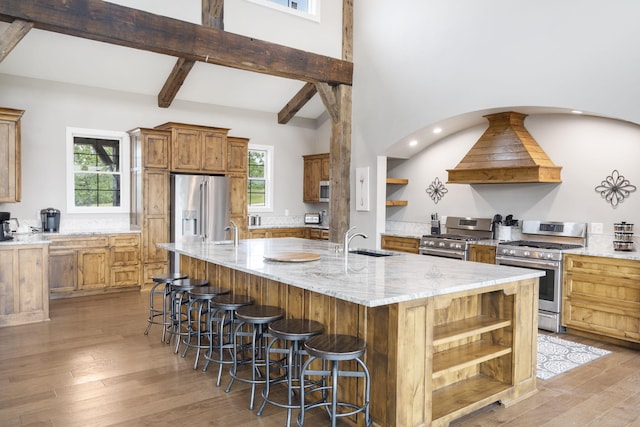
x=397, y=203
x=398, y=181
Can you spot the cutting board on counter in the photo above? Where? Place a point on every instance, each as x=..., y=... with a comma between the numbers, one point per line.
x=293, y=257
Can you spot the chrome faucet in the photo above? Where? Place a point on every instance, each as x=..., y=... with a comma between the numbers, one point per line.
x=348, y=238
x=234, y=228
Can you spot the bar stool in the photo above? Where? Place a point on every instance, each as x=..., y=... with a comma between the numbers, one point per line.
x=200, y=304
x=161, y=287
x=179, y=290
x=335, y=348
x=226, y=306
x=293, y=332
x=258, y=318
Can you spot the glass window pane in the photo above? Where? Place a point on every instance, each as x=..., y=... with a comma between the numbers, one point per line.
x=257, y=192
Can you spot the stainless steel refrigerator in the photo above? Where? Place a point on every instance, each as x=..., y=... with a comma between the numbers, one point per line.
x=199, y=210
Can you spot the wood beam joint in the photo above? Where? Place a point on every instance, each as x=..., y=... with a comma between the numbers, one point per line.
x=297, y=102
x=12, y=36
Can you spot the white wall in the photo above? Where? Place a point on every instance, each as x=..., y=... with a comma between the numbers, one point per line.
x=51, y=107
x=418, y=62
x=587, y=148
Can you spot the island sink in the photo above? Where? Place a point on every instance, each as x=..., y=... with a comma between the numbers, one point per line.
x=371, y=252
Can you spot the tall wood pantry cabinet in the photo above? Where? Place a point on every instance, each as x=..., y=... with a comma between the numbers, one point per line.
x=150, y=197
x=10, y=156
x=180, y=148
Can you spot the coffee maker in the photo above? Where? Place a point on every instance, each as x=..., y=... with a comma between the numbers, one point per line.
x=50, y=220
x=5, y=231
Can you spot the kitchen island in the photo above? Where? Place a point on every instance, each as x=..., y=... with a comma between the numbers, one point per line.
x=444, y=337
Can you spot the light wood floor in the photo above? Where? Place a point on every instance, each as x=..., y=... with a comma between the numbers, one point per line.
x=91, y=365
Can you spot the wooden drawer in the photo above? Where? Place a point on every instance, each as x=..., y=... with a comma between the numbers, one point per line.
x=78, y=242
x=125, y=276
x=609, y=320
x=124, y=240
x=125, y=256
x=403, y=244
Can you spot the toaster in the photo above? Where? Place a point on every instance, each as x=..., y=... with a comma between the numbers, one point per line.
x=312, y=218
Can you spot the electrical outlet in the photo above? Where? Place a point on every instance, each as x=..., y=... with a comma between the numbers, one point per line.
x=597, y=228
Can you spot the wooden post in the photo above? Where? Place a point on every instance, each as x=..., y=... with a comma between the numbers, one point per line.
x=340, y=145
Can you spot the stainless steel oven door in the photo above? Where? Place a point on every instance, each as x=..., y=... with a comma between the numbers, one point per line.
x=444, y=253
x=550, y=299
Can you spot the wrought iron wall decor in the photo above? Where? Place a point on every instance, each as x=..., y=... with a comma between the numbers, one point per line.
x=615, y=188
x=436, y=190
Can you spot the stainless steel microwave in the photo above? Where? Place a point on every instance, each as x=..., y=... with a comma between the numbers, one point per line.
x=324, y=191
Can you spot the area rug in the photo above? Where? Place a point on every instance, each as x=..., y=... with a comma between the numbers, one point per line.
x=556, y=355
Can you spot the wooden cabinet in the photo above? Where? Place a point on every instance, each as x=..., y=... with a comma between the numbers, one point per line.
x=238, y=211
x=126, y=269
x=257, y=233
x=197, y=149
x=482, y=253
x=24, y=284
x=402, y=244
x=238, y=154
x=10, y=156
x=150, y=194
x=85, y=265
x=317, y=234
x=316, y=169
x=601, y=296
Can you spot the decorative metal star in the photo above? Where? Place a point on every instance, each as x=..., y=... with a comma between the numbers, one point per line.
x=615, y=188
x=436, y=190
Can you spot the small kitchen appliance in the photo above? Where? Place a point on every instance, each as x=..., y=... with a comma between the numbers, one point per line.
x=461, y=231
x=324, y=191
x=542, y=249
x=50, y=218
x=313, y=218
x=5, y=230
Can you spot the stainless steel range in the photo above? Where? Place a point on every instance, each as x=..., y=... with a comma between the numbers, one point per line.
x=541, y=249
x=461, y=231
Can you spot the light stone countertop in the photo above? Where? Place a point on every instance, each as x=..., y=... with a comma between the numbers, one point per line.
x=44, y=238
x=361, y=279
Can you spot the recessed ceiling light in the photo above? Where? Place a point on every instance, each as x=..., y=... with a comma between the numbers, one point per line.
x=576, y=111
x=437, y=130
x=413, y=143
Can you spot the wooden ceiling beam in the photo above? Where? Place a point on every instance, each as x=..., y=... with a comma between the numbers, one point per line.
x=12, y=36
x=329, y=101
x=212, y=17
x=111, y=23
x=297, y=102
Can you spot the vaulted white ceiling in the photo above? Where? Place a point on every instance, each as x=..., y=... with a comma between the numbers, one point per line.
x=55, y=57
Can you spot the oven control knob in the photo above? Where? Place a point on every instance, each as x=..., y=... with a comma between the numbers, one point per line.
x=526, y=253
x=549, y=256
x=512, y=252
x=431, y=243
x=458, y=246
x=441, y=244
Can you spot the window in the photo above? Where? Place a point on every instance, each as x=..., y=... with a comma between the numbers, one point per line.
x=97, y=171
x=304, y=8
x=260, y=182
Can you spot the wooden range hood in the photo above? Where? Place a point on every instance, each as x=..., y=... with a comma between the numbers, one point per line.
x=505, y=153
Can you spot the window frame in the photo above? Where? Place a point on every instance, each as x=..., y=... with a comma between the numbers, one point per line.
x=124, y=169
x=313, y=14
x=269, y=167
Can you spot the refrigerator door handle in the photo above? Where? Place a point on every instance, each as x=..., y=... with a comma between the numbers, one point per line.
x=204, y=200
